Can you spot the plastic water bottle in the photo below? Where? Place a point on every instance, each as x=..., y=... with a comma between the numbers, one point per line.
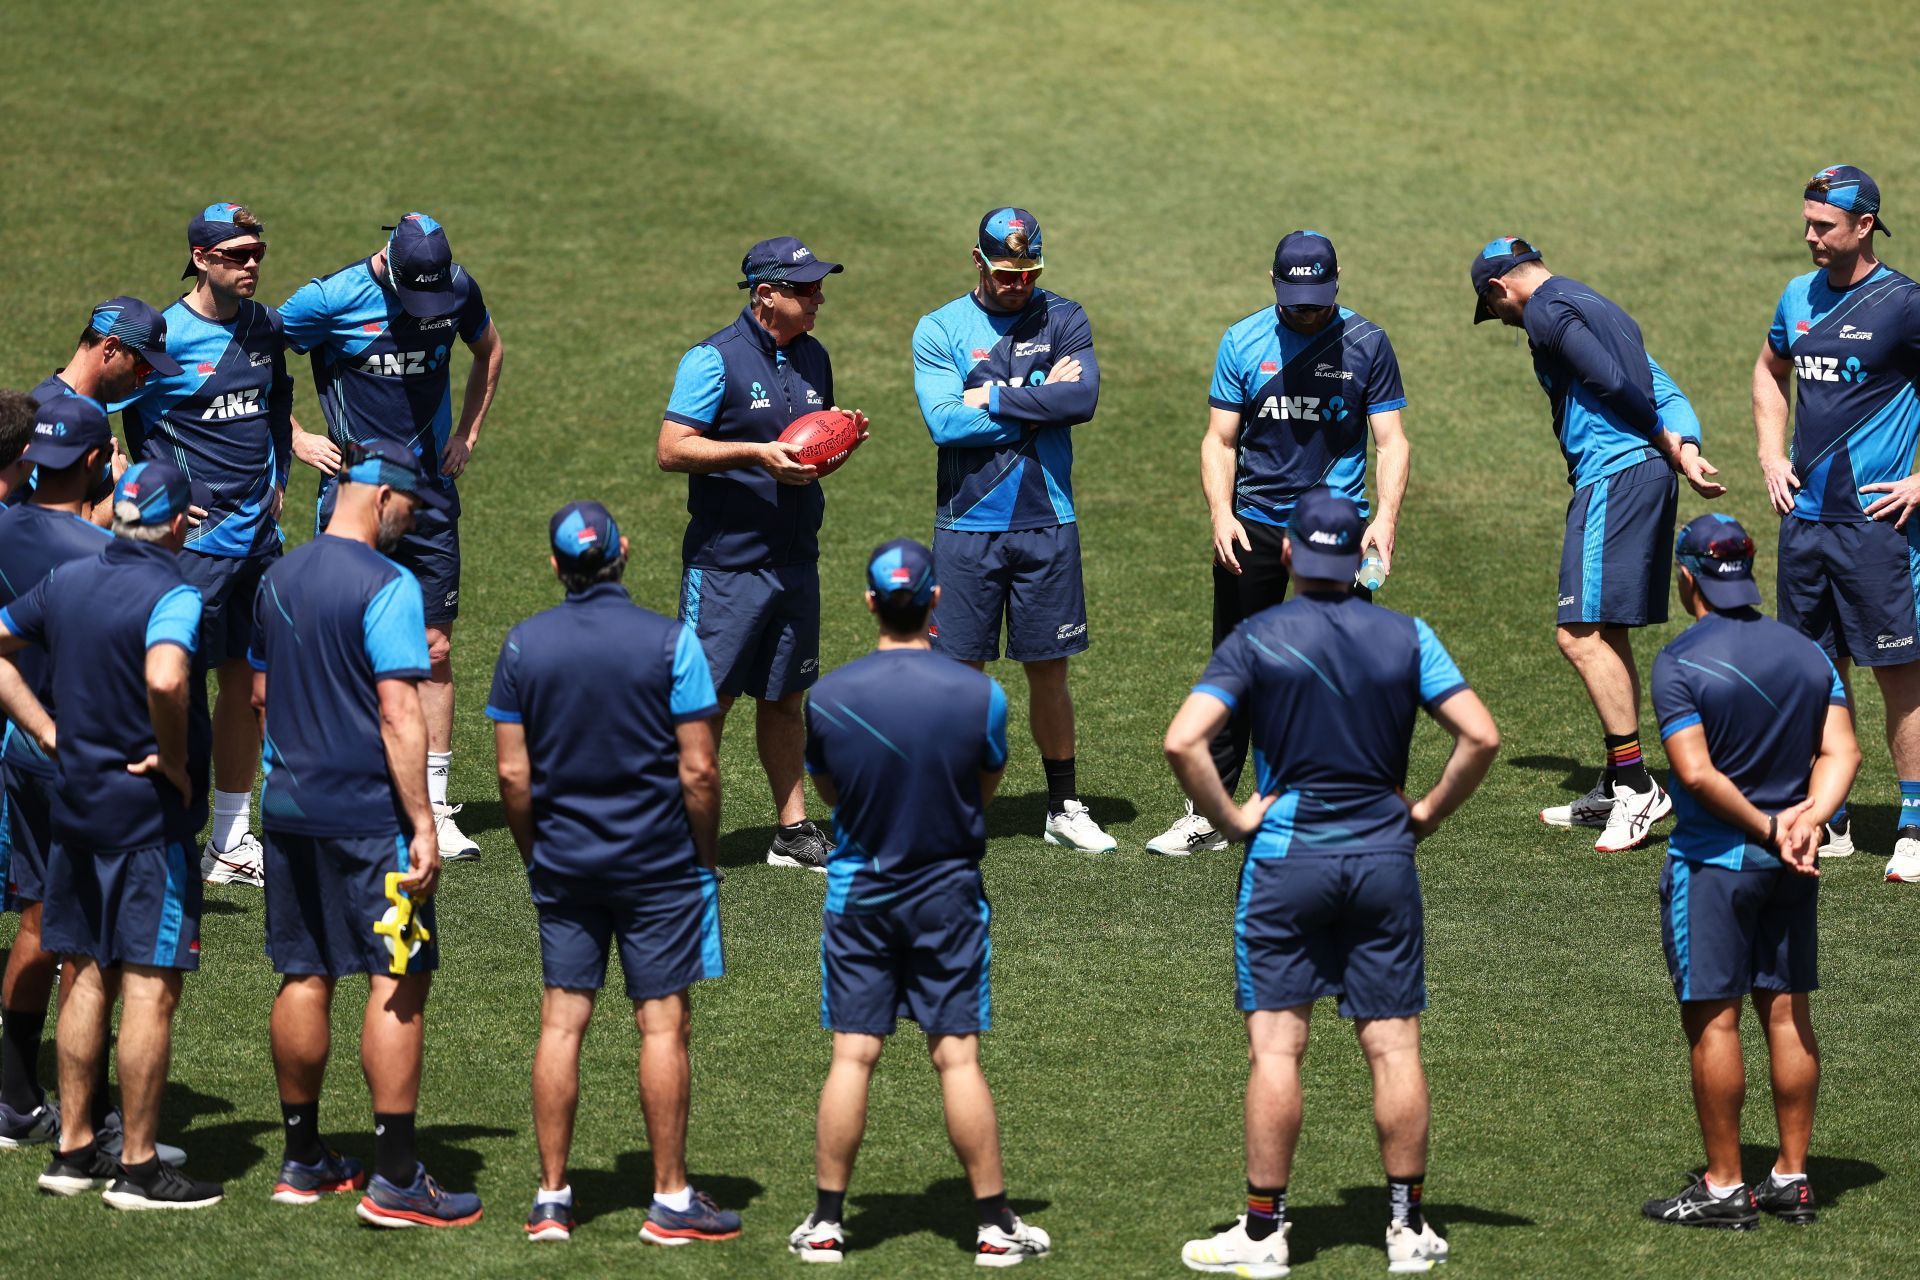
x=1373, y=572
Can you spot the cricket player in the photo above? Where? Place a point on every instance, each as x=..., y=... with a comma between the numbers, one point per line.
x=1329, y=899
x=1756, y=723
x=16, y=428
x=124, y=344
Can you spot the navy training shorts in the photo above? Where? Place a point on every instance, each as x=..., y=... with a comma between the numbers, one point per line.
x=923, y=956
x=1727, y=932
x=430, y=551
x=134, y=906
x=1853, y=589
x=760, y=628
x=27, y=833
x=1028, y=577
x=333, y=907
x=1616, y=562
x=668, y=933
x=227, y=586
x=1346, y=925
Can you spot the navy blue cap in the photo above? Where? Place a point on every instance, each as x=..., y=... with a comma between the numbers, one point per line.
x=584, y=535
x=783, y=260
x=1845, y=187
x=215, y=225
x=391, y=463
x=1305, y=271
x=901, y=565
x=160, y=490
x=1719, y=554
x=1497, y=257
x=420, y=265
x=64, y=428
x=136, y=325
x=1011, y=237
x=1326, y=529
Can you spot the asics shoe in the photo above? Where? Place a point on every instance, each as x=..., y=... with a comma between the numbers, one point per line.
x=245, y=863
x=306, y=1183
x=815, y=1241
x=424, y=1204
x=88, y=1169
x=1695, y=1206
x=551, y=1222
x=1634, y=813
x=455, y=846
x=807, y=849
x=1190, y=833
x=1233, y=1253
x=1839, y=841
x=1904, y=865
x=701, y=1220
x=1590, y=810
x=1075, y=828
x=1791, y=1203
x=28, y=1128
x=1410, y=1251
x=168, y=1188
x=993, y=1247
x=112, y=1137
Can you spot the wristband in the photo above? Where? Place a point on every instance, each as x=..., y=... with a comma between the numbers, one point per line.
x=1773, y=830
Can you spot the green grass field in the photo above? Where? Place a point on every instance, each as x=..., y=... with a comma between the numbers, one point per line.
x=602, y=166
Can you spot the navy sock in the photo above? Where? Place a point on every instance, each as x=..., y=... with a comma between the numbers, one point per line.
x=393, y=1150
x=828, y=1205
x=1266, y=1210
x=300, y=1127
x=1061, y=786
x=1403, y=1197
x=994, y=1211
x=20, y=1058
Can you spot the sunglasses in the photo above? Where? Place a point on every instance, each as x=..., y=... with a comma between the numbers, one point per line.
x=246, y=255
x=1729, y=547
x=811, y=289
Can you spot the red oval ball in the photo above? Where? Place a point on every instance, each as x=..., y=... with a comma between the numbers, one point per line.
x=827, y=438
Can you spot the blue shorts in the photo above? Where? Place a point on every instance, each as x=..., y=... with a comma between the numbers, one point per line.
x=760, y=627
x=668, y=934
x=139, y=906
x=1031, y=577
x=923, y=957
x=227, y=585
x=330, y=909
x=430, y=551
x=1728, y=932
x=27, y=835
x=1347, y=925
x=1853, y=589
x=1616, y=564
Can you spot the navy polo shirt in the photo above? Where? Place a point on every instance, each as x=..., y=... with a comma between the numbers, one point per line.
x=737, y=386
x=331, y=620
x=96, y=618
x=33, y=541
x=1331, y=685
x=600, y=684
x=904, y=734
x=1761, y=691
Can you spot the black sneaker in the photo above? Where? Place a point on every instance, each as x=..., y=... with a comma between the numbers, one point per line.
x=1695, y=1206
x=1791, y=1203
x=808, y=848
x=165, y=1188
x=73, y=1172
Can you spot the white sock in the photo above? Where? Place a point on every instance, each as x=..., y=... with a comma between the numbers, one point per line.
x=438, y=764
x=229, y=818
x=679, y=1201
x=1719, y=1192
x=563, y=1196
x=1780, y=1179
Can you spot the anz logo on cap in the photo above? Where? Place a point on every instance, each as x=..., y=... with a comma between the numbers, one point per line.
x=1308, y=269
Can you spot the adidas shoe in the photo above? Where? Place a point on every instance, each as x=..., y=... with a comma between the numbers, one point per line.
x=112, y=1137
x=168, y=1188
x=551, y=1222
x=306, y=1183
x=1839, y=841
x=808, y=849
x=1791, y=1203
x=1190, y=833
x=424, y=1204
x=72, y=1172
x=1904, y=865
x=701, y=1220
x=1233, y=1253
x=1410, y=1251
x=455, y=846
x=1695, y=1206
x=814, y=1241
x=28, y=1128
x=996, y=1248
x=1633, y=816
x=1075, y=828
x=1590, y=810
x=245, y=863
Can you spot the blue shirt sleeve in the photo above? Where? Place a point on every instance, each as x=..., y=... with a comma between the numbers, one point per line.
x=26, y=617
x=1057, y=404
x=503, y=700
x=175, y=619
x=1229, y=676
x=698, y=385
x=1671, y=403
x=1779, y=341
x=1554, y=324
x=1440, y=678
x=996, y=753
x=816, y=755
x=305, y=318
x=693, y=697
x=1384, y=390
x=940, y=385
x=257, y=637
x=1837, y=693
x=1674, y=705
x=394, y=628
x=474, y=316
x=1229, y=390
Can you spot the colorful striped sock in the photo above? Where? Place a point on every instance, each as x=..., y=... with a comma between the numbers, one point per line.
x=1625, y=765
x=1266, y=1210
x=1909, y=804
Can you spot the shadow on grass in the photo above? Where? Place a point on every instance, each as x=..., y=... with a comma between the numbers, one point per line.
x=945, y=1208
x=1577, y=777
x=222, y=1151
x=1874, y=826
x=748, y=845
x=1361, y=1218
x=1027, y=815
x=212, y=906
x=480, y=816
x=629, y=1185
x=1832, y=1176
x=452, y=1166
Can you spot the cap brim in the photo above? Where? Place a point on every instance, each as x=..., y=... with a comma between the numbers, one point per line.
x=807, y=273
x=430, y=304
x=191, y=270
x=57, y=455
x=1481, y=311
x=1728, y=593
x=1320, y=294
x=1310, y=562
x=163, y=364
x=432, y=497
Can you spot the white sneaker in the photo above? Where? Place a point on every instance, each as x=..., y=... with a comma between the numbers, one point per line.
x=1839, y=841
x=1904, y=865
x=1590, y=810
x=1232, y=1252
x=454, y=845
x=1633, y=816
x=1190, y=833
x=1076, y=829
x=1409, y=1250
x=818, y=1241
x=245, y=863
x=996, y=1248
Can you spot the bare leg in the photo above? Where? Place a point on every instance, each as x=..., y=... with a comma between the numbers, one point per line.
x=148, y=998
x=1401, y=1110
x=86, y=1009
x=302, y=1036
x=1276, y=1045
x=1050, y=708
x=843, y=1108
x=236, y=731
x=780, y=729
x=28, y=986
x=1794, y=1056
x=972, y=1126
x=666, y=1085
x=1719, y=1082
x=1603, y=659
x=1900, y=688
x=436, y=692
x=564, y=1016
x=392, y=1038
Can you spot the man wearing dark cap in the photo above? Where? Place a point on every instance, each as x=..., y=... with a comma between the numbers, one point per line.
x=124, y=343
x=339, y=652
x=751, y=589
x=603, y=720
x=1626, y=431
x=1744, y=704
x=1847, y=335
x=1003, y=373
x=1329, y=898
x=1297, y=389
x=119, y=631
x=226, y=419
x=381, y=335
x=908, y=746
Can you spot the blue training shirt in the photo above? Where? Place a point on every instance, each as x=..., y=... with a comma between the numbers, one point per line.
x=382, y=374
x=1856, y=420
x=599, y=684
x=35, y=540
x=905, y=735
x=96, y=618
x=331, y=620
x=1331, y=685
x=225, y=420
x=1609, y=398
x=1303, y=401
x=1761, y=691
x=1008, y=465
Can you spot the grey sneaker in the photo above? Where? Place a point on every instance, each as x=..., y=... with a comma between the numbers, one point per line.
x=113, y=1136
x=808, y=849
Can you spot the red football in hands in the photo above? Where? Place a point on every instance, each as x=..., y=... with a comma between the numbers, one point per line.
x=826, y=437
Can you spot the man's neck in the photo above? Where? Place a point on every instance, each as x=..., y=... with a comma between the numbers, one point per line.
x=83, y=373
x=210, y=303
x=772, y=331
x=355, y=525
x=1844, y=273
x=890, y=641
x=73, y=506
